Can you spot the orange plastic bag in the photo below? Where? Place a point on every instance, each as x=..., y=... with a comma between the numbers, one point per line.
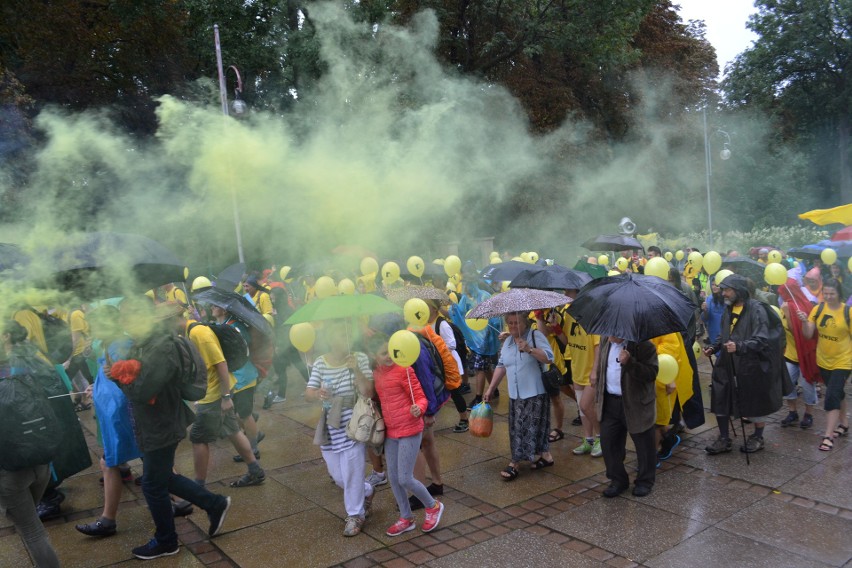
x=481, y=420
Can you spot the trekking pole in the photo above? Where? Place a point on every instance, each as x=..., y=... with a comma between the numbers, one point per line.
x=730, y=361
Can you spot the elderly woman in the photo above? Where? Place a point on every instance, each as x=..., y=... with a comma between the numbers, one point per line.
x=522, y=356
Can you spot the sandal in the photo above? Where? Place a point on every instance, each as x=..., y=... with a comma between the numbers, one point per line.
x=542, y=463
x=841, y=430
x=555, y=435
x=510, y=473
x=826, y=445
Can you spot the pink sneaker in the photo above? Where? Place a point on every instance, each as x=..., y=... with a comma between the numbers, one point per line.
x=401, y=526
x=433, y=517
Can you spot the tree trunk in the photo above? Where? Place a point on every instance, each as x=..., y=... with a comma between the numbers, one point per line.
x=843, y=163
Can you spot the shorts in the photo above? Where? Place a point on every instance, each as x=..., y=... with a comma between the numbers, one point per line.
x=212, y=423
x=835, y=382
x=479, y=362
x=244, y=402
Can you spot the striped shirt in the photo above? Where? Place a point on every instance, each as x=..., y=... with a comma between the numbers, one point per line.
x=341, y=382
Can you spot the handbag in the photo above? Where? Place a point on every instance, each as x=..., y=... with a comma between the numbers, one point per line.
x=552, y=379
x=366, y=425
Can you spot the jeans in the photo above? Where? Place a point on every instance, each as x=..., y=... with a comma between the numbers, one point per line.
x=808, y=389
x=19, y=493
x=400, y=454
x=158, y=480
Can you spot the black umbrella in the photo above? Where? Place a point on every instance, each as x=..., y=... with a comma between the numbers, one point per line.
x=100, y=265
x=551, y=278
x=631, y=306
x=236, y=305
x=231, y=276
x=506, y=270
x=613, y=242
x=745, y=267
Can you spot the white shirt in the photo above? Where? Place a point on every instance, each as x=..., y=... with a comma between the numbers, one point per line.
x=613, y=369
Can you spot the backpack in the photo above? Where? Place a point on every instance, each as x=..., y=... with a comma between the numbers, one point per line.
x=234, y=345
x=30, y=434
x=192, y=378
x=821, y=307
x=461, y=345
x=57, y=337
x=435, y=363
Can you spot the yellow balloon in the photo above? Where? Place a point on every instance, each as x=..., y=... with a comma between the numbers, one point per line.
x=533, y=256
x=621, y=263
x=603, y=260
x=369, y=265
x=518, y=259
x=668, y=256
x=712, y=262
x=453, y=298
x=613, y=272
x=455, y=278
x=416, y=312
x=451, y=287
x=775, y=274
x=828, y=256
x=404, y=348
x=679, y=255
x=525, y=256
x=200, y=283
x=186, y=272
x=668, y=369
x=346, y=287
x=504, y=286
x=695, y=259
x=452, y=265
x=438, y=261
x=774, y=256
x=415, y=266
x=496, y=260
x=302, y=336
x=475, y=324
x=390, y=272
x=325, y=287
x=848, y=264
x=721, y=275
x=696, y=348
x=657, y=267
x=285, y=270
x=493, y=254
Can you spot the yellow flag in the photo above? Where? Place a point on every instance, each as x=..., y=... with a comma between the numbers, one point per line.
x=841, y=214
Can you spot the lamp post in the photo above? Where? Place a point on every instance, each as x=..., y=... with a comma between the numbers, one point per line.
x=239, y=108
x=725, y=154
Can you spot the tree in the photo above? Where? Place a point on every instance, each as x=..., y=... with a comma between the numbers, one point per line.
x=799, y=72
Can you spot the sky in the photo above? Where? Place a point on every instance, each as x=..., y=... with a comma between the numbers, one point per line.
x=726, y=24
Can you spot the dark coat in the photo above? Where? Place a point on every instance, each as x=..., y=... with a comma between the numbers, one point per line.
x=637, y=384
x=161, y=416
x=757, y=364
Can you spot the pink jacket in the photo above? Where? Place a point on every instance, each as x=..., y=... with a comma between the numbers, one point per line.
x=392, y=386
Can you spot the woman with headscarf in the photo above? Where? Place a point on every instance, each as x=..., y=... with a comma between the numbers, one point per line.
x=813, y=285
x=522, y=356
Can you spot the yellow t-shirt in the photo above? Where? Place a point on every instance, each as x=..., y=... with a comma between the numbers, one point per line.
x=834, y=346
x=790, y=352
x=208, y=345
x=581, y=347
x=77, y=322
x=263, y=302
x=558, y=358
x=735, y=314
x=35, y=331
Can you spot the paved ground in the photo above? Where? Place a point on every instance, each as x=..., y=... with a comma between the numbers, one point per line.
x=791, y=507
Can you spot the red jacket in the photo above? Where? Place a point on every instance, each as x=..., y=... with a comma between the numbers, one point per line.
x=392, y=386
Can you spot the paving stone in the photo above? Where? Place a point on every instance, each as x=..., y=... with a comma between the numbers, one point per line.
x=766, y=468
x=819, y=483
x=483, y=481
x=503, y=552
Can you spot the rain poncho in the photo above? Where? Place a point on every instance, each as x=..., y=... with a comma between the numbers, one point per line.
x=113, y=412
x=482, y=342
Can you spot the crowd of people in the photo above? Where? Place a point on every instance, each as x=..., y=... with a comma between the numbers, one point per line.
x=162, y=367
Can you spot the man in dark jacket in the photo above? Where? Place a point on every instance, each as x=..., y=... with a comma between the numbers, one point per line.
x=626, y=401
x=161, y=419
x=747, y=378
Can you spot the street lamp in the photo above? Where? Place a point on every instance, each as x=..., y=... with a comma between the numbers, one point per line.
x=239, y=108
x=725, y=154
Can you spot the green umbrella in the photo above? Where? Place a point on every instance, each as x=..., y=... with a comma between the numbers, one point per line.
x=340, y=307
x=593, y=270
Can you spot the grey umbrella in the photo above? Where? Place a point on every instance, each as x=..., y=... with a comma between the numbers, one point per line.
x=517, y=300
x=613, y=242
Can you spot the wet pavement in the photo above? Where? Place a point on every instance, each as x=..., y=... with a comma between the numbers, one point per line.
x=791, y=507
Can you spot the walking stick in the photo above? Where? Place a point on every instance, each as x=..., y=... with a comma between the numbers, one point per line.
x=731, y=370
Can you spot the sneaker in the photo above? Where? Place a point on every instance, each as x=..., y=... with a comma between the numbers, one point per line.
x=217, y=517
x=464, y=389
x=807, y=422
x=181, y=508
x=239, y=459
x=719, y=446
x=279, y=399
x=368, y=504
x=250, y=479
x=667, y=446
x=415, y=504
x=353, y=526
x=791, y=418
x=753, y=444
x=154, y=550
x=267, y=400
x=401, y=526
x=461, y=427
x=476, y=400
x=433, y=517
x=584, y=448
x=434, y=489
x=596, y=449
x=47, y=511
x=375, y=479
x=577, y=421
